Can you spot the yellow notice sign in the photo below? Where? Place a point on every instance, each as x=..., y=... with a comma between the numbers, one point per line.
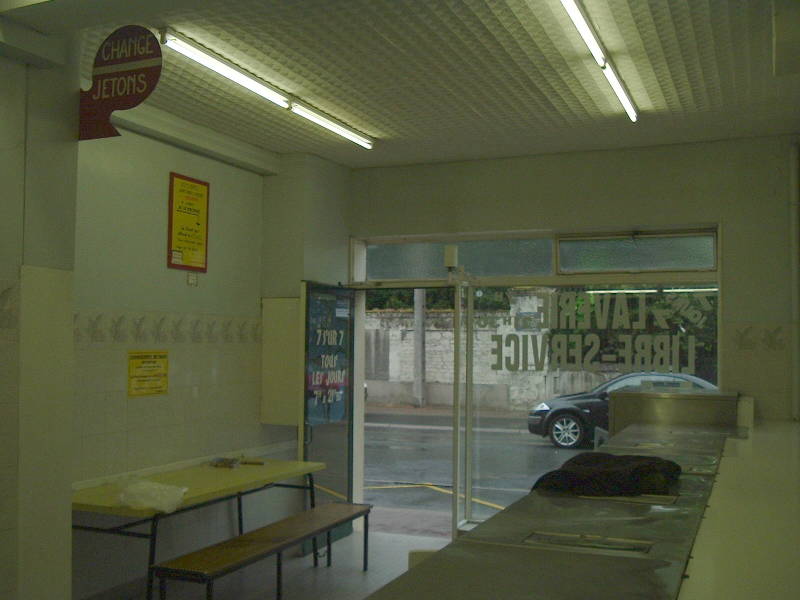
x=188, y=223
x=148, y=373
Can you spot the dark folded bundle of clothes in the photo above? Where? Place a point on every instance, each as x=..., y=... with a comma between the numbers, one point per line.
x=601, y=474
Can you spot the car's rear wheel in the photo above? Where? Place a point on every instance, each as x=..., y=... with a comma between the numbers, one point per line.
x=567, y=431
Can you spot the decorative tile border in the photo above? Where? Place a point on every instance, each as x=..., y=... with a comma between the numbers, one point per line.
x=100, y=327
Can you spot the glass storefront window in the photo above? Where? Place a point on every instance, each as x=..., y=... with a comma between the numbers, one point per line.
x=531, y=350
x=687, y=252
x=480, y=258
x=549, y=363
x=530, y=346
x=609, y=331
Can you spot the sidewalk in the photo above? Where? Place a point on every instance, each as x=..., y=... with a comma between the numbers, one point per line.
x=439, y=411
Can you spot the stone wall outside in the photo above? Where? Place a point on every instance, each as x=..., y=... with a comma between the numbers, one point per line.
x=390, y=362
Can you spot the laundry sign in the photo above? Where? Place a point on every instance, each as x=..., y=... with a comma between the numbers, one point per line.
x=583, y=331
x=126, y=70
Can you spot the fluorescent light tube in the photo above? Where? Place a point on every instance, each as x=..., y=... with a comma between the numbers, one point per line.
x=621, y=291
x=328, y=123
x=223, y=67
x=619, y=90
x=227, y=69
x=585, y=30
x=590, y=39
x=653, y=291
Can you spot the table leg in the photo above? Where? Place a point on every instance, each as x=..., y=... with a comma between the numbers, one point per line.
x=328, y=541
x=151, y=558
x=311, y=492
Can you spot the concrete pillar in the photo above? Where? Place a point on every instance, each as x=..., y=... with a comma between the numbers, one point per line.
x=38, y=173
x=419, y=347
x=12, y=190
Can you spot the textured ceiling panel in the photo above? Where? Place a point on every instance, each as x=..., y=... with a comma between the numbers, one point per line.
x=436, y=80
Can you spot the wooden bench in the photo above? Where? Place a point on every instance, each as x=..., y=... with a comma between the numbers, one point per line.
x=208, y=564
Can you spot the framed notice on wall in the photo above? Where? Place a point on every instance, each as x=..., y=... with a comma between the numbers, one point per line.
x=187, y=246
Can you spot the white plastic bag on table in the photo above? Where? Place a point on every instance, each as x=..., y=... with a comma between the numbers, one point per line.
x=143, y=494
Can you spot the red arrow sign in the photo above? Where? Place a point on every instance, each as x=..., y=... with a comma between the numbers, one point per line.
x=126, y=70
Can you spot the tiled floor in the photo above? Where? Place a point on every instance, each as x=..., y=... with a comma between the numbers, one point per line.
x=344, y=580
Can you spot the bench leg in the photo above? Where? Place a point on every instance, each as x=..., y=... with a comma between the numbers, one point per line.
x=162, y=588
x=278, y=585
x=210, y=589
x=328, y=542
x=239, y=510
x=366, y=539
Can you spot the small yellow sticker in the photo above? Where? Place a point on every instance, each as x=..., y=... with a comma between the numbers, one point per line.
x=148, y=372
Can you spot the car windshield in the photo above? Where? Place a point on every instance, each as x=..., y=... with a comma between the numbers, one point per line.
x=654, y=380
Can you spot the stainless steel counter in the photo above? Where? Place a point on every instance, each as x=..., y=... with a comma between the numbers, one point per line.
x=690, y=407
x=561, y=547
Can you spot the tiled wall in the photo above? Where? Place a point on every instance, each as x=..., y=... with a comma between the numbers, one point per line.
x=127, y=299
x=212, y=405
x=9, y=433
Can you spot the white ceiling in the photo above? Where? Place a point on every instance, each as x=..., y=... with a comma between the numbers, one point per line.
x=443, y=80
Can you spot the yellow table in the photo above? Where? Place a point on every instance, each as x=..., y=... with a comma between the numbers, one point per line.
x=204, y=482
x=206, y=485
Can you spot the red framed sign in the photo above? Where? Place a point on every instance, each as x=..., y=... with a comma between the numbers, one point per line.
x=187, y=243
x=126, y=70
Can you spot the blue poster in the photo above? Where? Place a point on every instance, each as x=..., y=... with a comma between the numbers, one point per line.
x=328, y=354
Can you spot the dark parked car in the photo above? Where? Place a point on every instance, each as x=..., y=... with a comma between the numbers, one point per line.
x=570, y=419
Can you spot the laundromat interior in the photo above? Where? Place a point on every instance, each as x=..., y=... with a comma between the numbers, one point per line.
x=194, y=211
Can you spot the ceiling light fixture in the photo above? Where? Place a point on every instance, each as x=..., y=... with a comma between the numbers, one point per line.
x=219, y=65
x=653, y=291
x=229, y=70
x=592, y=41
x=619, y=90
x=331, y=124
x=691, y=290
x=585, y=30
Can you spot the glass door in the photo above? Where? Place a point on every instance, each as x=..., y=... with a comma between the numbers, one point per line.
x=462, y=408
x=536, y=366
x=328, y=435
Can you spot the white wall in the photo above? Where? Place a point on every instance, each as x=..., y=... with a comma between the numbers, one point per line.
x=305, y=229
x=45, y=381
x=741, y=185
x=38, y=153
x=127, y=299
x=325, y=252
x=12, y=174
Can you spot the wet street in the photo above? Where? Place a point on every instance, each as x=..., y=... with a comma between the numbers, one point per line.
x=408, y=467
